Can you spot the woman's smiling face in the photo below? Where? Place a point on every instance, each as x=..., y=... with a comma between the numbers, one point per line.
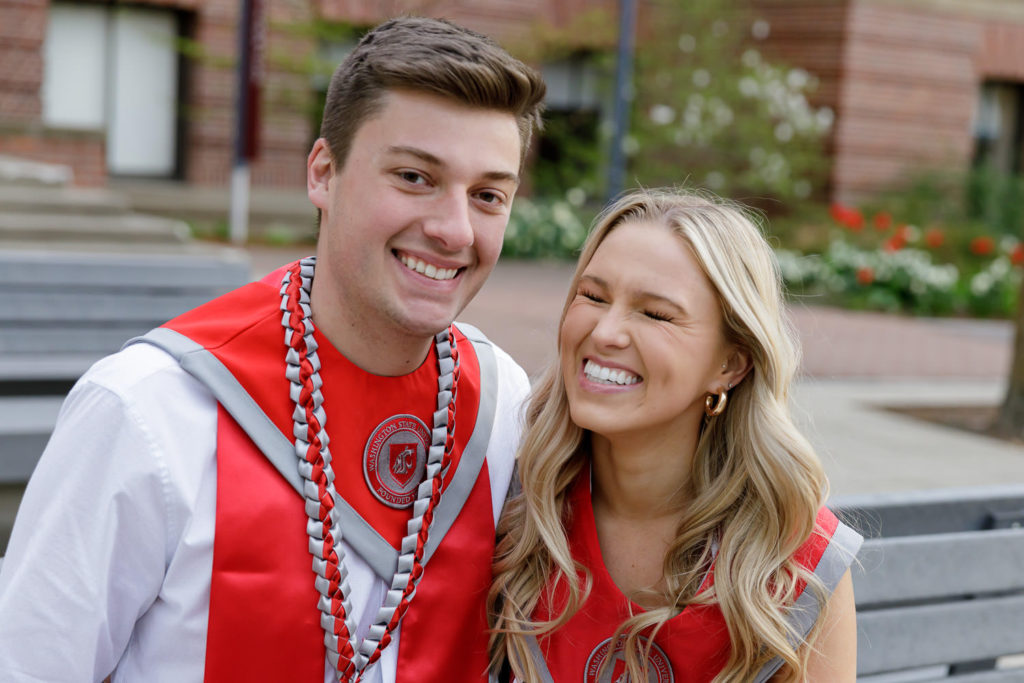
x=642, y=341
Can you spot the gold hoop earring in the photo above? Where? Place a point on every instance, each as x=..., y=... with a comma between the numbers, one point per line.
x=713, y=408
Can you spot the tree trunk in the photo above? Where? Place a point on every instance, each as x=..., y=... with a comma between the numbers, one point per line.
x=1010, y=421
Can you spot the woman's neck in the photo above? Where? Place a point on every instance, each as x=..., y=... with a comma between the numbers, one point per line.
x=641, y=479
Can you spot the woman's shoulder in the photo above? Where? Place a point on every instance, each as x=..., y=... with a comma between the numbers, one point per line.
x=830, y=549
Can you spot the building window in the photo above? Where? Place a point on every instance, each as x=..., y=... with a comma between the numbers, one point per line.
x=570, y=149
x=116, y=70
x=999, y=127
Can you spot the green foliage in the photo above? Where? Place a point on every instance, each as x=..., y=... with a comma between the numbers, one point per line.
x=711, y=111
x=545, y=228
x=568, y=160
x=996, y=199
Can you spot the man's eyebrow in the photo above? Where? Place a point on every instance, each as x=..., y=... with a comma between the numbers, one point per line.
x=435, y=161
x=416, y=152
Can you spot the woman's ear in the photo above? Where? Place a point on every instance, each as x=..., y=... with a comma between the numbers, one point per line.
x=736, y=367
x=319, y=171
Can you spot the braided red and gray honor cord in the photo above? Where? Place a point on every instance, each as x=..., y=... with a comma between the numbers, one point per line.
x=347, y=655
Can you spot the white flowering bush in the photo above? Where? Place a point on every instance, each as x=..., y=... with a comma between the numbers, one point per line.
x=545, y=228
x=711, y=110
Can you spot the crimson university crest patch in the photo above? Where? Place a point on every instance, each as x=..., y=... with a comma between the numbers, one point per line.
x=395, y=459
x=598, y=671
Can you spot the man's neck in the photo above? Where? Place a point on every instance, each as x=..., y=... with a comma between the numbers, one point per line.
x=385, y=352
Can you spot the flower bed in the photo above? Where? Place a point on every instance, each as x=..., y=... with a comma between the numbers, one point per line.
x=884, y=265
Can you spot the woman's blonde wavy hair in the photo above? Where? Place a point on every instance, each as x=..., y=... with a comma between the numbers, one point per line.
x=755, y=487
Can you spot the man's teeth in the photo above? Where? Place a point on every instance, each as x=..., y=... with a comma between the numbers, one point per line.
x=599, y=373
x=430, y=270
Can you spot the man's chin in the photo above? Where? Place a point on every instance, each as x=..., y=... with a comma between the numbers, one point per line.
x=427, y=326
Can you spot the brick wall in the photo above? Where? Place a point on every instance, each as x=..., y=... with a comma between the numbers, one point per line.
x=21, y=64
x=285, y=129
x=82, y=151
x=209, y=81
x=907, y=95
x=1002, y=52
x=901, y=75
x=22, y=133
x=809, y=34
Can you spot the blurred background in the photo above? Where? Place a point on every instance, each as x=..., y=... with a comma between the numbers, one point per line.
x=879, y=141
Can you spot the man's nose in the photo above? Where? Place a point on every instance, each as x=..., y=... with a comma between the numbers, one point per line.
x=451, y=225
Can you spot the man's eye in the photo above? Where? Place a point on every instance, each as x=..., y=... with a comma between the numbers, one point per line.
x=491, y=197
x=412, y=177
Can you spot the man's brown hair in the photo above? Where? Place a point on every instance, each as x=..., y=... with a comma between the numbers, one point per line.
x=431, y=56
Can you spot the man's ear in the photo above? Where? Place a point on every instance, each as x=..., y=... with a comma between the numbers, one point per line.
x=319, y=171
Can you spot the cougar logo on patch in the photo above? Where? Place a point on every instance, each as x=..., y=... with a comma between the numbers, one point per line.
x=658, y=668
x=395, y=458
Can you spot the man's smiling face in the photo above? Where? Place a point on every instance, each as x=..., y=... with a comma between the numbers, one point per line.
x=412, y=224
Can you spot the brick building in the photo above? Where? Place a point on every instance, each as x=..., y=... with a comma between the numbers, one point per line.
x=107, y=88
x=146, y=89
x=915, y=84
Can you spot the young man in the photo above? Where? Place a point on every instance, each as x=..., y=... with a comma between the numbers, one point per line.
x=168, y=531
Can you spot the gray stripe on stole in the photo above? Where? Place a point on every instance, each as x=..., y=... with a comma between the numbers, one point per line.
x=280, y=451
x=475, y=452
x=834, y=562
x=538, y=659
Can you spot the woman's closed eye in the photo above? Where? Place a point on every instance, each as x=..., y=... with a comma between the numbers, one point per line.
x=655, y=315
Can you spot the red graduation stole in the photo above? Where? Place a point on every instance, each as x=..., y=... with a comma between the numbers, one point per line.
x=692, y=647
x=263, y=621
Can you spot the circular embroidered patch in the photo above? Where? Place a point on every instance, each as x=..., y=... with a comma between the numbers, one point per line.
x=395, y=459
x=658, y=668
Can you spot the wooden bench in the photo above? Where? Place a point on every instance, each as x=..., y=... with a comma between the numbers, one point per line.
x=62, y=311
x=939, y=584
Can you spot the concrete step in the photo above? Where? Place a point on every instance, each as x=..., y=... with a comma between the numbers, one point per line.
x=59, y=227
x=65, y=200
x=25, y=173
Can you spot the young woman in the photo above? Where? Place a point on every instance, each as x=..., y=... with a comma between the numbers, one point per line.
x=670, y=524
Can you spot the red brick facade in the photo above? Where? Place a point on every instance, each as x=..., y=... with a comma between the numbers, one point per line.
x=902, y=77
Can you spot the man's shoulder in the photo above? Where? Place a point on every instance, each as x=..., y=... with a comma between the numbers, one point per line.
x=138, y=369
x=509, y=370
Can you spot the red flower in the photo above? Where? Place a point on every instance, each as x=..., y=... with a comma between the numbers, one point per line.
x=847, y=217
x=883, y=221
x=1017, y=254
x=934, y=238
x=895, y=243
x=983, y=246
x=865, y=276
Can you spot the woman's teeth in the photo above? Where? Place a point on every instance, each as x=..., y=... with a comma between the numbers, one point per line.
x=599, y=373
x=431, y=271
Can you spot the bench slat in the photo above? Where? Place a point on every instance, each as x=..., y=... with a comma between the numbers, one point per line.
x=939, y=565
x=909, y=637
x=98, y=340
x=52, y=309
x=996, y=676
x=56, y=270
x=911, y=513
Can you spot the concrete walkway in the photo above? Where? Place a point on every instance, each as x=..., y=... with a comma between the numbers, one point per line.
x=854, y=365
